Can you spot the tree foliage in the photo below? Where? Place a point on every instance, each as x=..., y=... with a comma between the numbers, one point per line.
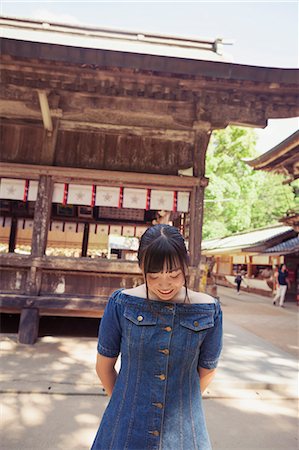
x=239, y=198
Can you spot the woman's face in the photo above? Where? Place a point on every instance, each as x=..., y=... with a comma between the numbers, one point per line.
x=165, y=285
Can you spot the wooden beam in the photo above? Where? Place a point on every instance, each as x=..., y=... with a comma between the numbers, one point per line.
x=197, y=196
x=45, y=110
x=146, y=131
x=104, y=177
x=49, y=144
x=103, y=266
x=42, y=214
x=53, y=305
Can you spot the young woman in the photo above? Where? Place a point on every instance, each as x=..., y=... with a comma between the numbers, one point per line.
x=282, y=285
x=170, y=339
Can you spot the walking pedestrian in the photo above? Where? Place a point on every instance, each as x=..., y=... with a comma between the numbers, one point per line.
x=238, y=281
x=170, y=339
x=282, y=285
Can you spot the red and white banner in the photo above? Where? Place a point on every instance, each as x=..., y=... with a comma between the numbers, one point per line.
x=115, y=229
x=58, y=193
x=183, y=201
x=56, y=225
x=32, y=190
x=139, y=231
x=28, y=224
x=79, y=194
x=70, y=227
x=107, y=196
x=135, y=198
x=161, y=200
x=102, y=230
x=128, y=231
x=12, y=189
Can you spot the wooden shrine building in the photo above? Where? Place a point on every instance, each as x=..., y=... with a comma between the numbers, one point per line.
x=103, y=133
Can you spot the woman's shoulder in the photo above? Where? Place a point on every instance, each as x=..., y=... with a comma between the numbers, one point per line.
x=138, y=291
x=200, y=297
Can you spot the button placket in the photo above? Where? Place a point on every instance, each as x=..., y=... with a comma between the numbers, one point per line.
x=161, y=377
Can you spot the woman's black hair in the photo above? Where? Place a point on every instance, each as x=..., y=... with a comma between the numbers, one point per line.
x=159, y=245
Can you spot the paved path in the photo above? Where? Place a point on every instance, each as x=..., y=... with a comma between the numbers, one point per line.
x=51, y=398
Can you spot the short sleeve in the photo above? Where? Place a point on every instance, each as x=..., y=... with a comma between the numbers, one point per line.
x=211, y=347
x=110, y=329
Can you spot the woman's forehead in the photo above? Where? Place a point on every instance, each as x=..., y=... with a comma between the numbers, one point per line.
x=167, y=267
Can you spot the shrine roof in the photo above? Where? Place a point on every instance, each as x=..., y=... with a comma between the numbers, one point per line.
x=283, y=158
x=113, y=39
x=248, y=241
x=139, y=51
x=289, y=246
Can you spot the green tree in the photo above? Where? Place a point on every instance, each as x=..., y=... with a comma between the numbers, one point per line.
x=237, y=197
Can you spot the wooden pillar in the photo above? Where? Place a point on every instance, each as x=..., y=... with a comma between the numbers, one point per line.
x=42, y=214
x=249, y=266
x=13, y=235
x=197, y=202
x=28, y=328
x=85, y=240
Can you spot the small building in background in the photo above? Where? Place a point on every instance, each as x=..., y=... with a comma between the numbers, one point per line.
x=255, y=254
x=284, y=159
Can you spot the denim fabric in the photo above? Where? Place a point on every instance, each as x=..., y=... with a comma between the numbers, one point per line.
x=156, y=402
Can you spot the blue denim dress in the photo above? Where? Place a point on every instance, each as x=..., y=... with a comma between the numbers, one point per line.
x=156, y=402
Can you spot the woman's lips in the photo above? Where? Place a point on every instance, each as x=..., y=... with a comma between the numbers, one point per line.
x=166, y=292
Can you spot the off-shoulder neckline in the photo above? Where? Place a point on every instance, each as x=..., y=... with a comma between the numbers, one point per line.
x=161, y=302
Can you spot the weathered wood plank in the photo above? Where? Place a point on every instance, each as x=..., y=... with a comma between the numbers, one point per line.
x=71, y=264
x=52, y=306
x=104, y=177
x=42, y=214
x=156, y=133
x=49, y=144
x=28, y=328
x=197, y=198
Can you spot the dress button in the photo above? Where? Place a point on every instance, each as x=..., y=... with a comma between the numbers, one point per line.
x=196, y=323
x=140, y=318
x=165, y=351
x=155, y=433
x=168, y=329
x=158, y=405
x=161, y=377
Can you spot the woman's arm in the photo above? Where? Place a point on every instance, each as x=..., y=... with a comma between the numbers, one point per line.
x=205, y=377
x=106, y=372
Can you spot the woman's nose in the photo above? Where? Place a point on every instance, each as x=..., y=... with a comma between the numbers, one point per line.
x=164, y=280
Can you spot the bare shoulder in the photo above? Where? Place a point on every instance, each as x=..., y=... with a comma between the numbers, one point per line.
x=138, y=291
x=200, y=297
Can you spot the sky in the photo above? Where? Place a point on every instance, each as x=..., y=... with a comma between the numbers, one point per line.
x=264, y=33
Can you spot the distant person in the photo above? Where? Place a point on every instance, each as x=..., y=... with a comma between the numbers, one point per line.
x=238, y=281
x=282, y=285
